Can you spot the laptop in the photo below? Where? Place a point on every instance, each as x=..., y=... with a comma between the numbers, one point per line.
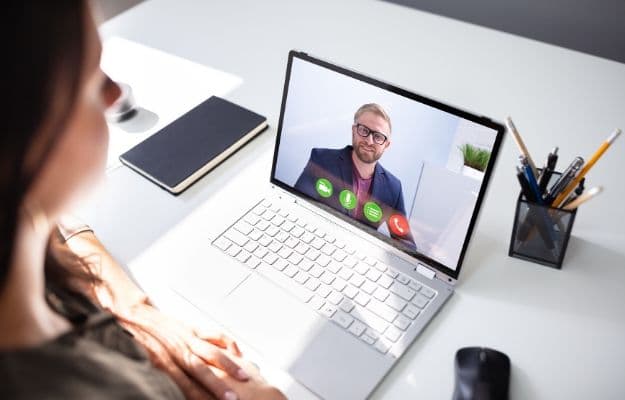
x=373, y=196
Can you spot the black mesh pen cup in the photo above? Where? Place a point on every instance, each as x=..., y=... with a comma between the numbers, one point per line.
x=540, y=233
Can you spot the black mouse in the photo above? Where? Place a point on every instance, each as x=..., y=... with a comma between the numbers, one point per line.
x=481, y=374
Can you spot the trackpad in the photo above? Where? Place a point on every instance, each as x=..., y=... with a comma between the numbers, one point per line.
x=312, y=349
x=269, y=319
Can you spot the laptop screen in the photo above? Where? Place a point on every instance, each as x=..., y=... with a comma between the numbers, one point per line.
x=406, y=169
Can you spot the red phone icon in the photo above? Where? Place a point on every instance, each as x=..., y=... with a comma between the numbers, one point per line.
x=398, y=225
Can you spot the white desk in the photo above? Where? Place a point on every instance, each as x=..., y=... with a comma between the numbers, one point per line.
x=564, y=330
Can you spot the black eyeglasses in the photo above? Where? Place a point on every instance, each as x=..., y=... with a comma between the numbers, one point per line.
x=378, y=137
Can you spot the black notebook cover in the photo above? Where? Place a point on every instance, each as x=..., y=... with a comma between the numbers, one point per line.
x=185, y=150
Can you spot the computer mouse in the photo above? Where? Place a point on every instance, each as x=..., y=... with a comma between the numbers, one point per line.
x=481, y=374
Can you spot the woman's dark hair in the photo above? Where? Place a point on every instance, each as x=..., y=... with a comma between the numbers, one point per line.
x=44, y=61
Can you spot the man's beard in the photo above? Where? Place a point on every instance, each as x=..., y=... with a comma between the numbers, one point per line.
x=366, y=156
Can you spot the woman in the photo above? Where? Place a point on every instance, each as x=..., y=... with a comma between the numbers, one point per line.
x=72, y=324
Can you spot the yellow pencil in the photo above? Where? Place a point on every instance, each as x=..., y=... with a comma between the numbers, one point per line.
x=604, y=146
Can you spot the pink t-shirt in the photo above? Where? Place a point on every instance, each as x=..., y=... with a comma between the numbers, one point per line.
x=362, y=189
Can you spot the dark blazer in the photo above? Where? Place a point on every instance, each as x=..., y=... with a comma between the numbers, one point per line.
x=336, y=166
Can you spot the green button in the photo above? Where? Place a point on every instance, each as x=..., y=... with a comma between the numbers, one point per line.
x=324, y=187
x=348, y=199
x=372, y=211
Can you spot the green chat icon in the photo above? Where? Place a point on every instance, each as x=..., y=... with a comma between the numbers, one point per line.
x=372, y=211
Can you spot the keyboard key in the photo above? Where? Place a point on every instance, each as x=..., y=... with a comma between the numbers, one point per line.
x=328, y=310
x=222, y=243
x=380, y=294
x=362, y=299
x=312, y=254
x=373, y=333
x=380, y=267
x=324, y=291
x=350, y=250
x=340, y=255
x=305, y=264
x=392, y=273
x=260, y=252
x=301, y=277
x=258, y=210
x=357, y=328
x=292, y=218
x=323, y=260
x=291, y=242
x=320, y=233
x=252, y=262
x=316, y=302
x=420, y=300
x=327, y=278
x=255, y=234
x=312, y=284
x=277, y=220
x=328, y=249
x=262, y=225
x=345, y=273
x=369, y=318
x=340, y=244
x=243, y=227
x=251, y=219
x=297, y=231
x=414, y=285
x=385, y=281
x=290, y=270
x=264, y=240
x=272, y=231
x=268, y=215
x=357, y=280
x=283, y=213
x=361, y=268
x=301, y=223
x=382, y=345
x=403, y=279
x=317, y=243
x=427, y=292
x=392, y=334
x=402, y=291
x=302, y=248
x=333, y=267
x=330, y=238
x=402, y=322
x=350, y=291
x=373, y=274
x=270, y=258
x=274, y=246
x=250, y=246
x=370, y=261
x=289, y=285
x=368, y=287
x=350, y=261
x=339, y=284
x=395, y=302
x=367, y=339
x=243, y=256
x=295, y=258
x=382, y=310
x=342, y=319
x=287, y=226
x=307, y=237
x=285, y=252
x=335, y=297
x=280, y=264
x=237, y=237
x=411, y=311
x=233, y=250
x=346, y=305
x=282, y=236
x=316, y=271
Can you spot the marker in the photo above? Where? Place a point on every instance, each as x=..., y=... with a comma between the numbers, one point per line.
x=521, y=145
x=583, y=198
x=593, y=159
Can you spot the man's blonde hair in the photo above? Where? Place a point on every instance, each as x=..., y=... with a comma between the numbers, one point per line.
x=373, y=108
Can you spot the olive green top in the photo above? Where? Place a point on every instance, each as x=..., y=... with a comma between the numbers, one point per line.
x=97, y=359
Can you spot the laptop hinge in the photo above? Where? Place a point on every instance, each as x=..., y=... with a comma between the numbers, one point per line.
x=425, y=271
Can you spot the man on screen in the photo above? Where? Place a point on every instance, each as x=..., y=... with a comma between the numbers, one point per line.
x=352, y=180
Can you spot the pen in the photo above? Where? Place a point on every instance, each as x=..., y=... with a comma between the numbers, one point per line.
x=548, y=169
x=593, y=159
x=563, y=180
x=531, y=180
x=521, y=144
x=583, y=198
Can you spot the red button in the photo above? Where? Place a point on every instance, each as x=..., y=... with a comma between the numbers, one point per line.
x=398, y=225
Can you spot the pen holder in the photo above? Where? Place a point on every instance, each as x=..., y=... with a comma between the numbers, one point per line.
x=540, y=233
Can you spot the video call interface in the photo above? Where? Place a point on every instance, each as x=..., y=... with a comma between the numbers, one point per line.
x=409, y=172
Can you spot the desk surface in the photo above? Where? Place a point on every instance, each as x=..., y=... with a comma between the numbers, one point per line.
x=563, y=330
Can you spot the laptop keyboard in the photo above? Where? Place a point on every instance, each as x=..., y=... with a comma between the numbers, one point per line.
x=362, y=295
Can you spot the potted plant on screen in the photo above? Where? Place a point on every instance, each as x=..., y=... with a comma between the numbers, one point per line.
x=475, y=160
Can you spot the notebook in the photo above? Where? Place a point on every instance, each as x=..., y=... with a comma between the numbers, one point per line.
x=185, y=150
